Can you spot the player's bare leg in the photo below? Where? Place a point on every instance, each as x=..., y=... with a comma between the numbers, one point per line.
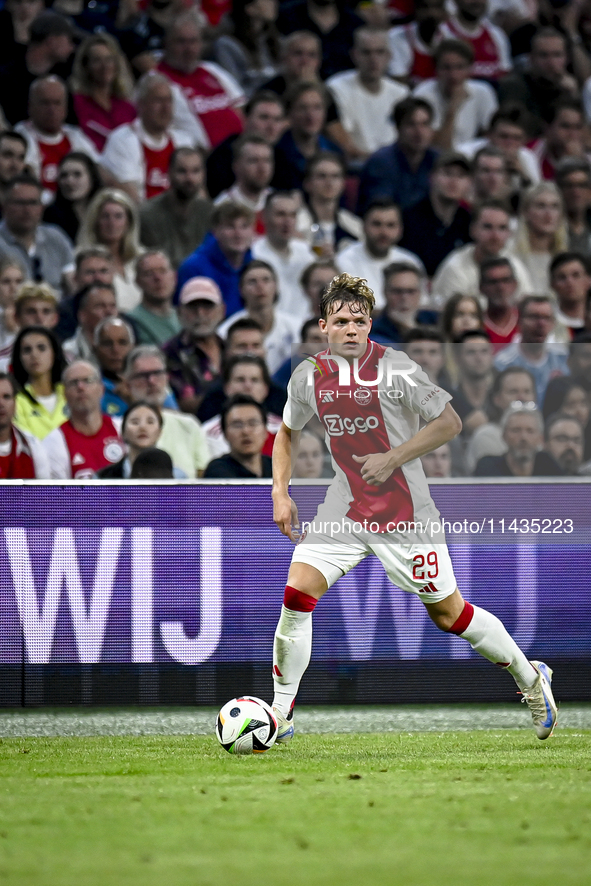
x=292, y=646
x=487, y=635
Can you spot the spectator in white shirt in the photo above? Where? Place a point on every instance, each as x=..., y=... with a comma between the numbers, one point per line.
x=284, y=251
x=382, y=229
x=138, y=154
x=570, y=280
x=460, y=271
x=365, y=97
x=462, y=107
x=258, y=288
x=253, y=165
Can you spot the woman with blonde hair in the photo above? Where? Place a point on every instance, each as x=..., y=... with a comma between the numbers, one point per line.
x=112, y=221
x=541, y=232
x=101, y=85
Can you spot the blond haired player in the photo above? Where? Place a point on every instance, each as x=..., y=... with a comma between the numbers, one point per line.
x=379, y=501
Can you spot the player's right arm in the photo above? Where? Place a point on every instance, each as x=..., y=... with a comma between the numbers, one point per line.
x=285, y=512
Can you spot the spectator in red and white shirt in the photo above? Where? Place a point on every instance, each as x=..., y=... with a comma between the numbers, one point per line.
x=49, y=137
x=211, y=94
x=101, y=86
x=22, y=457
x=138, y=154
x=89, y=440
x=492, y=52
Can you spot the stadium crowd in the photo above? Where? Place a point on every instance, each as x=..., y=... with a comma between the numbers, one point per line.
x=179, y=181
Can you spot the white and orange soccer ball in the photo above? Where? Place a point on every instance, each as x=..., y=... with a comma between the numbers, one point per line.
x=246, y=725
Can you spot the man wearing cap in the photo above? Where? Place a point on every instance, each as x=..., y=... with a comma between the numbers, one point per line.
x=194, y=356
x=439, y=223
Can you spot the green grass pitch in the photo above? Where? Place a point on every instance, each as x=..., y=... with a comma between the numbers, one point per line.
x=452, y=808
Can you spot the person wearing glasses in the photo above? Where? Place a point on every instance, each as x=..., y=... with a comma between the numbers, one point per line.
x=43, y=250
x=88, y=440
x=244, y=423
x=522, y=426
x=182, y=436
x=246, y=374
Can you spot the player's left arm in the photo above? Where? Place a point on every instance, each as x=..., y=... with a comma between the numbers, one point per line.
x=377, y=467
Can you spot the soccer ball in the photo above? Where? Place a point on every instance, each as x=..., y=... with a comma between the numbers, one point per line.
x=246, y=725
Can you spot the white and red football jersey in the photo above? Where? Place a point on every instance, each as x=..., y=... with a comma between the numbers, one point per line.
x=492, y=51
x=213, y=97
x=76, y=456
x=410, y=57
x=361, y=419
x=45, y=152
x=135, y=157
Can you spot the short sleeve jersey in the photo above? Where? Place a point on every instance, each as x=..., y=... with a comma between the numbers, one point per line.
x=361, y=417
x=88, y=454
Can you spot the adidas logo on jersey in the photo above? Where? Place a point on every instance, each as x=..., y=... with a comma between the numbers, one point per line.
x=326, y=396
x=78, y=459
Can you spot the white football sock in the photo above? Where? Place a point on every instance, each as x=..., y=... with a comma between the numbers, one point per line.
x=292, y=649
x=487, y=635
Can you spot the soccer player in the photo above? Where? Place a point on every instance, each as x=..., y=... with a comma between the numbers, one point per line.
x=379, y=500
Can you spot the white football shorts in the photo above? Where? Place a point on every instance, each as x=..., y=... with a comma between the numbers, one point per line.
x=424, y=569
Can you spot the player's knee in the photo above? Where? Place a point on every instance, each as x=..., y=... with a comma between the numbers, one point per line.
x=298, y=601
x=449, y=615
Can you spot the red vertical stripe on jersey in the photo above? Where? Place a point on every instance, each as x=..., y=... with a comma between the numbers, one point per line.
x=51, y=155
x=156, y=166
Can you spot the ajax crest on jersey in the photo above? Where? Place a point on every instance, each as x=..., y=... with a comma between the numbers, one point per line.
x=246, y=725
x=362, y=396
